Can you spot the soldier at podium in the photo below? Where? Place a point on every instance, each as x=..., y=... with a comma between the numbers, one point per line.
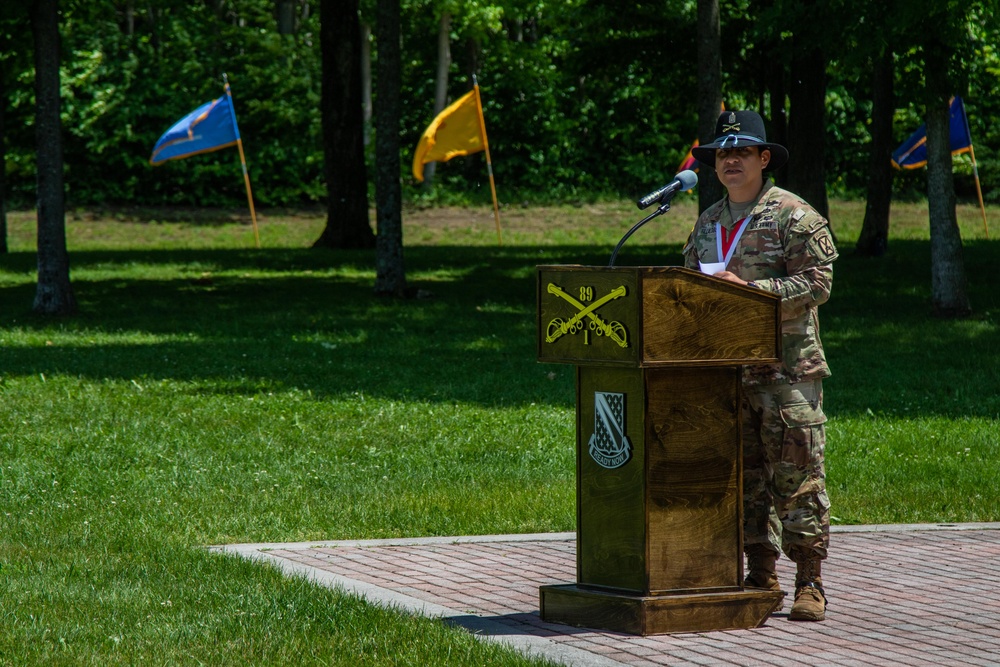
x=768, y=238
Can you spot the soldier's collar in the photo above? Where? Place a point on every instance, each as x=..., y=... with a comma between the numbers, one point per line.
x=750, y=212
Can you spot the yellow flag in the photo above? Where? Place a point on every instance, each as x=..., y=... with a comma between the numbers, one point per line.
x=455, y=132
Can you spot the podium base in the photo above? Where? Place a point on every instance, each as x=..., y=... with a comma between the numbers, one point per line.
x=570, y=604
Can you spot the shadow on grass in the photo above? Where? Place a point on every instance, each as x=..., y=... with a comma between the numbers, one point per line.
x=245, y=321
x=888, y=353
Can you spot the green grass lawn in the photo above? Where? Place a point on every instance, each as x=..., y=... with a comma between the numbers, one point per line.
x=210, y=392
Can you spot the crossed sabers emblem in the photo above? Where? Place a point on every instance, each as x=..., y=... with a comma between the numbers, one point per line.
x=614, y=330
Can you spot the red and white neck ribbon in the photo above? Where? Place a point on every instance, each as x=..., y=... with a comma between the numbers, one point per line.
x=726, y=241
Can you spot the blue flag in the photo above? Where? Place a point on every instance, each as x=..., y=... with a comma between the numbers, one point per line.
x=912, y=154
x=208, y=128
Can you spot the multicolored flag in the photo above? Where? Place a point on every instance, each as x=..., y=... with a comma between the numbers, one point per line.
x=912, y=154
x=689, y=162
x=208, y=128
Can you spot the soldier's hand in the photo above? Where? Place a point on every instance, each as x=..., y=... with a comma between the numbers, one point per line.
x=730, y=276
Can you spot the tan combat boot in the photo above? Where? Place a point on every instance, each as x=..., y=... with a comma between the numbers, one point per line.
x=761, y=571
x=761, y=568
x=810, y=600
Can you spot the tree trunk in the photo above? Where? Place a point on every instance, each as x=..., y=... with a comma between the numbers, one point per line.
x=130, y=18
x=443, y=63
x=709, y=95
x=285, y=14
x=777, y=130
x=153, y=21
x=347, y=224
x=473, y=165
x=366, y=80
x=390, y=278
x=216, y=6
x=874, y=238
x=473, y=49
x=806, y=171
x=440, y=83
x=54, y=294
x=3, y=164
x=948, y=295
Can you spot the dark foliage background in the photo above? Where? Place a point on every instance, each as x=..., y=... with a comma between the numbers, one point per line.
x=583, y=99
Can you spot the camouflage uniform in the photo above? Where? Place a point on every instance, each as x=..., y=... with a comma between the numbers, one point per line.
x=786, y=248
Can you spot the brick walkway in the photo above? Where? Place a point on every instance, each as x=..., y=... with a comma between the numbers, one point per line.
x=898, y=595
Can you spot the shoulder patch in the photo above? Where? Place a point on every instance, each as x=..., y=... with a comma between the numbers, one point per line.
x=798, y=214
x=821, y=246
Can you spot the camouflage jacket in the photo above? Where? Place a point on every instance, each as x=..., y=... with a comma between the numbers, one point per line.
x=786, y=248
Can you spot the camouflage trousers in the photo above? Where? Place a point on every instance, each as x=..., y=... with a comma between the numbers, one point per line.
x=784, y=477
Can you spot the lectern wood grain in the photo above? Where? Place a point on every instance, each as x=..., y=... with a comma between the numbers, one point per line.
x=694, y=478
x=688, y=319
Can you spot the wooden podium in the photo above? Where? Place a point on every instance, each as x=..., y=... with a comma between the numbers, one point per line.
x=658, y=352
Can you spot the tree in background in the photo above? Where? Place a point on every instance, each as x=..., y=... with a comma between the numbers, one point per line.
x=288, y=15
x=15, y=47
x=755, y=55
x=347, y=224
x=777, y=59
x=3, y=145
x=390, y=276
x=860, y=117
x=868, y=55
x=54, y=294
x=874, y=237
x=709, y=95
x=623, y=105
x=583, y=99
x=440, y=79
x=948, y=294
x=805, y=173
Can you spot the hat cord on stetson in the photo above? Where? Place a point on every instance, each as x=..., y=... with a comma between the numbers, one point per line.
x=736, y=140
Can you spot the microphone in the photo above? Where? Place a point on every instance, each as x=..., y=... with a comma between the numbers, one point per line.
x=685, y=180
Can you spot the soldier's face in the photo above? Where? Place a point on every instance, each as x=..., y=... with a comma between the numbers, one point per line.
x=741, y=169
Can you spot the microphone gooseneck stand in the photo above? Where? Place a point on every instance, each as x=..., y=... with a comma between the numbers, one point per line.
x=661, y=209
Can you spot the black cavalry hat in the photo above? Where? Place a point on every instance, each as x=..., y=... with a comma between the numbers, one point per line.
x=737, y=129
